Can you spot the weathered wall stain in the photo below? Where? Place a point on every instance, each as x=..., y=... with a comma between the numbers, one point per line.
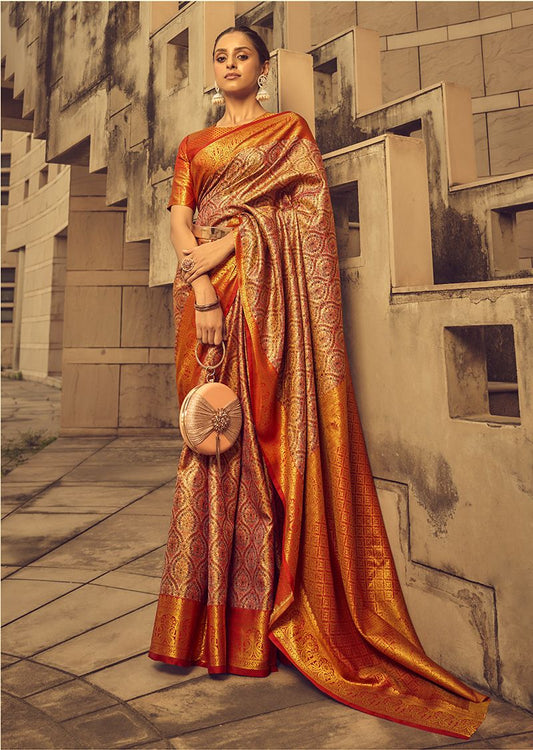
x=479, y=620
x=429, y=477
x=458, y=252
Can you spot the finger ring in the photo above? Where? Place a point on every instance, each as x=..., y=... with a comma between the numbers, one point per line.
x=187, y=264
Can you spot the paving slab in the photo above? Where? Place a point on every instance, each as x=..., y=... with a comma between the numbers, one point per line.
x=129, y=581
x=8, y=659
x=8, y=570
x=81, y=610
x=14, y=494
x=38, y=572
x=150, y=564
x=118, y=539
x=29, y=405
x=107, y=644
x=158, y=502
x=131, y=461
x=514, y=741
x=208, y=700
x=117, y=726
x=27, y=677
x=43, y=473
x=20, y=597
x=74, y=698
x=75, y=443
x=24, y=726
x=141, y=676
x=66, y=496
x=27, y=537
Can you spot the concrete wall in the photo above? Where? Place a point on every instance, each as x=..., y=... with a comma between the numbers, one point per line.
x=37, y=225
x=9, y=261
x=485, y=46
x=432, y=188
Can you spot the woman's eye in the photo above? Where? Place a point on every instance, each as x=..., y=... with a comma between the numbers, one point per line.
x=244, y=57
x=220, y=59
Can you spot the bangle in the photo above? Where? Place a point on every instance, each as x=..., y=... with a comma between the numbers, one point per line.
x=210, y=306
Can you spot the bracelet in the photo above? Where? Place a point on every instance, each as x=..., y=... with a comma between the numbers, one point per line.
x=210, y=306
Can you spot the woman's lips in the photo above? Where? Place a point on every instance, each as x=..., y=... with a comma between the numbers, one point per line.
x=232, y=75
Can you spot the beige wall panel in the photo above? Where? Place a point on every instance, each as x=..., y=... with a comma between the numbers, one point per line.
x=148, y=396
x=400, y=72
x=482, y=145
x=387, y=18
x=147, y=316
x=136, y=256
x=490, y=8
x=431, y=14
x=328, y=18
x=510, y=141
x=458, y=61
x=95, y=240
x=89, y=396
x=92, y=316
x=508, y=58
x=83, y=183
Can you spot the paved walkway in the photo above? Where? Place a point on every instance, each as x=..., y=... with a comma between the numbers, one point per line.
x=85, y=525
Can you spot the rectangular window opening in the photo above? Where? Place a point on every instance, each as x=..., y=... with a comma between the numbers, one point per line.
x=511, y=241
x=26, y=188
x=7, y=315
x=326, y=84
x=178, y=60
x=43, y=177
x=8, y=275
x=482, y=373
x=412, y=128
x=345, y=202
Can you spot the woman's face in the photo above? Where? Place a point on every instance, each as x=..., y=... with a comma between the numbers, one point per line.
x=236, y=56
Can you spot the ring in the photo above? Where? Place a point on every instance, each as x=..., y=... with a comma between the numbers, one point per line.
x=187, y=264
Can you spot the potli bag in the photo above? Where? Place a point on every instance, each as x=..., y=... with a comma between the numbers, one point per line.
x=210, y=415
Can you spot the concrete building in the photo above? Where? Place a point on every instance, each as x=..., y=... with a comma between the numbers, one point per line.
x=423, y=112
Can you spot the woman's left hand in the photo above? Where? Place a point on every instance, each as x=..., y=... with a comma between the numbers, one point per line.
x=205, y=256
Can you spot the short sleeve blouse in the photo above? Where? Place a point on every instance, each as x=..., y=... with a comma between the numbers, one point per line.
x=182, y=192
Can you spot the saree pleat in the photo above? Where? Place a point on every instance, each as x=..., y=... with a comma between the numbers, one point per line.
x=287, y=549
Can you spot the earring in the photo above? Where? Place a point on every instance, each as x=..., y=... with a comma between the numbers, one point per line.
x=217, y=97
x=262, y=94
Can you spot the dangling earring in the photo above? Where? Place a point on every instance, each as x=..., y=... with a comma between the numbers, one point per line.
x=217, y=97
x=262, y=94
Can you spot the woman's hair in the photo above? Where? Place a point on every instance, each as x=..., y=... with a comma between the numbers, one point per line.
x=253, y=36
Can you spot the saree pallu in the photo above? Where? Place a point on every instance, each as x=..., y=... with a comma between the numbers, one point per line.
x=286, y=549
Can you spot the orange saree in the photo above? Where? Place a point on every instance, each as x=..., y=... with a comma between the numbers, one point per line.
x=286, y=549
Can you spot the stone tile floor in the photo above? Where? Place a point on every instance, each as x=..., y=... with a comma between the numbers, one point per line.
x=84, y=531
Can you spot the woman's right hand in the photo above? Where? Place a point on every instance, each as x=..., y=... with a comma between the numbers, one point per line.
x=210, y=326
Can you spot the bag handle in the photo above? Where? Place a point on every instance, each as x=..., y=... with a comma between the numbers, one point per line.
x=210, y=377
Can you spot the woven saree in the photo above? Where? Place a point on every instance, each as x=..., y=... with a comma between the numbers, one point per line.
x=284, y=552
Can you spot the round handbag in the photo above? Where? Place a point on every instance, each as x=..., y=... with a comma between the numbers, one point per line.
x=210, y=416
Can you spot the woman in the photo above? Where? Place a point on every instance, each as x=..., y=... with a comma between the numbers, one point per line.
x=285, y=550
